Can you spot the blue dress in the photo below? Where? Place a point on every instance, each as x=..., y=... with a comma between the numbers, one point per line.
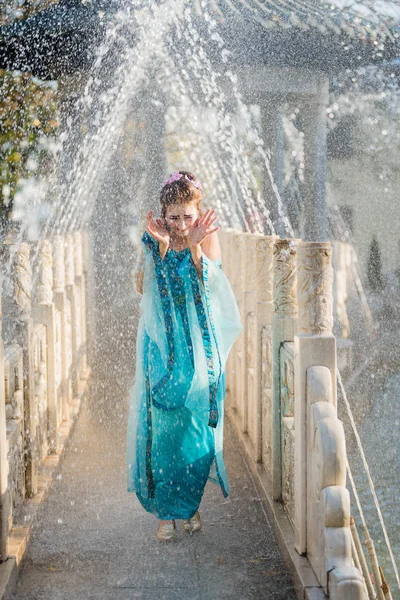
x=187, y=327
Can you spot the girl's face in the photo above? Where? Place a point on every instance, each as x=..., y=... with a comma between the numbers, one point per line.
x=179, y=218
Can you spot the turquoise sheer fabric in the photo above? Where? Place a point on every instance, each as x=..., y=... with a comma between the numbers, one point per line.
x=187, y=327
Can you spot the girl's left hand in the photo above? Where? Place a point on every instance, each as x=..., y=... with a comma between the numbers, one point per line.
x=202, y=228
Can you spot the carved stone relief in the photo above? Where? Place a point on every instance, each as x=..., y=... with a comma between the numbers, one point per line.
x=13, y=381
x=40, y=373
x=264, y=269
x=266, y=357
x=58, y=264
x=285, y=278
x=251, y=339
x=315, y=288
x=22, y=280
x=78, y=254
x=69, y=260
x=287, y=382
x=288, y=478
x=45, y=287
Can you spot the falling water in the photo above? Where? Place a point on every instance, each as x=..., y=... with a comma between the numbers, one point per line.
x=161, y=47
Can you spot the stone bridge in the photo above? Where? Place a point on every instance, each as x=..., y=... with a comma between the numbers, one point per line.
x=70, y=530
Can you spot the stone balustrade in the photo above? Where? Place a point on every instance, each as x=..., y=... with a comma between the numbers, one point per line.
x=281, y=399
x=43, y=364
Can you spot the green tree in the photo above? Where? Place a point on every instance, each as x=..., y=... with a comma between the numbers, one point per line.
x=374, y=270
x=28, y=121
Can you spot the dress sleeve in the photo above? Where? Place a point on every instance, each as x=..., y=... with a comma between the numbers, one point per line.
x=221, y=305
x=139, y=273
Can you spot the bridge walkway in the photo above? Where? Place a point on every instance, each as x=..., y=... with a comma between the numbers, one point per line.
x=92, y=540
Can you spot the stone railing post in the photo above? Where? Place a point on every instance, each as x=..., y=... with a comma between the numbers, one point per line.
x=283, y=329
x=71, y=293
x=22, y=286
x=227, y=250
x=87, y=327
x=80, y=318
x=45, y=313
x=232, y=252
x=314, y=346
x=60, y=302
x=252, y=347
x=240, y=347
x=258, y=297
x=264, y=292
x=4, y=491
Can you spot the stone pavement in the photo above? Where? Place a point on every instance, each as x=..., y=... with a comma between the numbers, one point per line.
x=92, y=540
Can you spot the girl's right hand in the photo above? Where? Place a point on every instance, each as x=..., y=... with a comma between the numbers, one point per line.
x=157, y=230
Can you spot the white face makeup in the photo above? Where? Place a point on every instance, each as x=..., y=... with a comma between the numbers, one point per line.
x=179, y=218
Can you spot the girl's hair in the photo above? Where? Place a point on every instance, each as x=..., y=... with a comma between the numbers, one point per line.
x=181, y=191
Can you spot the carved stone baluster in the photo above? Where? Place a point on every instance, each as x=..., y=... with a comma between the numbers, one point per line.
x=63, y=351
x=58, y=265
x=45, y=286
x=240, y=346
x=45, y=313
x=315, y=289
x=78, y=254
x=252, y=345
x=80, y=317
x=4, y=491
x=283, y=329
x=72, y=292
x=22, y=281
x=69, y=261
x=314, y=345
x=85, y=251
x=21, y=277
x=88, y=323
x=227, y=252
x=264, y=287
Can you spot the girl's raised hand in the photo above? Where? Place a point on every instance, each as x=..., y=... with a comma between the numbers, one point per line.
x=202, y=228
x=156, y=229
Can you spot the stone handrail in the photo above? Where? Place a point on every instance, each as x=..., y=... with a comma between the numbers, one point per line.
x=43, y=365
x=281, y=397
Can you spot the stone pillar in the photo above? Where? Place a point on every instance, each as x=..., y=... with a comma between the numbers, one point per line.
x=84, y=302
x=71, y=293
x=283, y=329
x=45, y=313
x=89, y=320
x=239, y=241
x=80, y=318
x=264, y=292
x=4, y=491
x=315, y=214
x=259, y=250
x=60, y=302
x=314, y=346
x=228, y=260
x=21, y=277
x=253, y=406
x=274, y=143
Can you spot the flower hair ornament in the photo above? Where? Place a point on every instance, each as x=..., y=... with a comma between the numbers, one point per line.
x=177, y=176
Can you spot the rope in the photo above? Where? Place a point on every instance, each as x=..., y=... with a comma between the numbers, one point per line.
x=370, y=481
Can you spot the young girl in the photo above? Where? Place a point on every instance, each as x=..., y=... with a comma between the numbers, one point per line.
x=189, y=321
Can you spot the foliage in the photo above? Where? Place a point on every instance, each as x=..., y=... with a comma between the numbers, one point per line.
x=20, y=9
x=28, y=124
x=374, y=271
